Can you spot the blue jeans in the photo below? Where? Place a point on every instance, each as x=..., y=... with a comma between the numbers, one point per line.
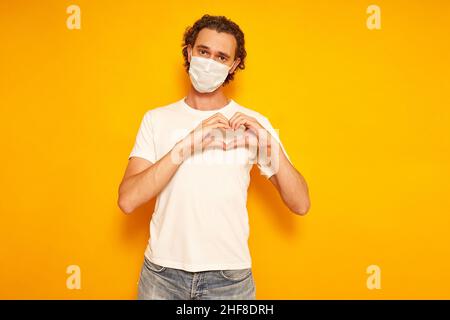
x=163, y=283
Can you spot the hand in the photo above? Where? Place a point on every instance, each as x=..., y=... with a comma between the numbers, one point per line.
x=264, y=140
x=201, y=137
x=210, y=133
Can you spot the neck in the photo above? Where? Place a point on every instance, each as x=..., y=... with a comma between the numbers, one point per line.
x=207, y=100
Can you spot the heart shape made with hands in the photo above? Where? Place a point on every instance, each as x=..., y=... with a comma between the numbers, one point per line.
x=228, y=139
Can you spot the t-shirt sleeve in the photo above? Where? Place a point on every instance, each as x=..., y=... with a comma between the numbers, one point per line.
x=266, y=170
x=144, y=146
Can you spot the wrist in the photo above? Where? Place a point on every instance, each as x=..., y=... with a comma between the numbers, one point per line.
x=268, y=152
x=181, y=151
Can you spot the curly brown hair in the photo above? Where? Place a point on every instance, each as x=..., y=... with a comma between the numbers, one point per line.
x=220, y=24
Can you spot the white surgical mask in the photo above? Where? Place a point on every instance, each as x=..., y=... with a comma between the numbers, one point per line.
x=207, y=74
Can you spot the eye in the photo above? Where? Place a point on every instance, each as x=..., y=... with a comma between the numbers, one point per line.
x=223, y=58
x=202, y=51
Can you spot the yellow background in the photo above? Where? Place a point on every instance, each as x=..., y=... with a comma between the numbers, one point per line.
x=364, y=116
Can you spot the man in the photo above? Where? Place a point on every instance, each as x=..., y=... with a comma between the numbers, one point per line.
x=194, y=156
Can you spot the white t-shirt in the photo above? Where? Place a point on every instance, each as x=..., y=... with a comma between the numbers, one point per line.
x=200, y=221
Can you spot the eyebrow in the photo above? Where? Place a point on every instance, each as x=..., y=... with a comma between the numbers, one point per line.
x=206, y=47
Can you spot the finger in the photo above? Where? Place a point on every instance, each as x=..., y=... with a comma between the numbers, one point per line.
x=218, y=117
x=237, y=114
x=214, y=142
x=222, y=116
x=236, y=119
x=248, y=123
x=209, y=142
x=216, y=126
x=239, y=122
x=224, y=121
x=216, y=131
x=212, y=117
x=217, y=120
x=201, y=133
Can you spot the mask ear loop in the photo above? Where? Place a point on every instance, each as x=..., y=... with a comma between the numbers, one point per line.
x=232, y=65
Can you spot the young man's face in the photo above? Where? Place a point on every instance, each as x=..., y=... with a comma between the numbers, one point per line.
x=220, y=46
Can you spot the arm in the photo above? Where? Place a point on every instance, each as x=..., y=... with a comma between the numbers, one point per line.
x=143, y=179
x=287, y=180
x=292, y=186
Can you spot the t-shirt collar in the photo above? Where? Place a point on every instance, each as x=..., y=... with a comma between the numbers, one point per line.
x=205, y=112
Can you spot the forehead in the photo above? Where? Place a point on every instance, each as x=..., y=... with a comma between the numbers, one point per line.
x=216, y=41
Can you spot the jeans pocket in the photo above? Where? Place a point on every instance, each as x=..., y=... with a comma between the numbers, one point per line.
x=153, y=266
x=236, y=275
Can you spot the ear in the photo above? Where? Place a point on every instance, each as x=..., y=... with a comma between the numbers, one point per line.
x=189, y=48
x=236, y=63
